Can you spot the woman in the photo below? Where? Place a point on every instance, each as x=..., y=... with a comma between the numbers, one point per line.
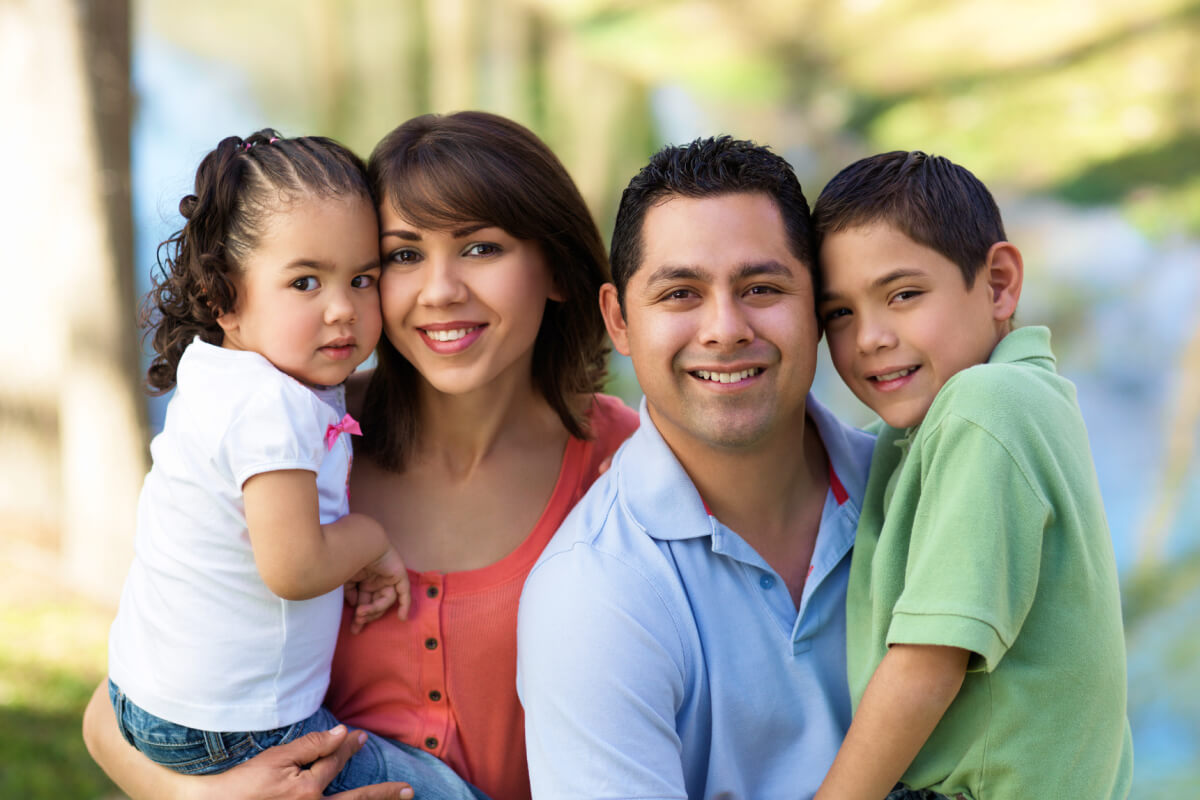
x=483, y=428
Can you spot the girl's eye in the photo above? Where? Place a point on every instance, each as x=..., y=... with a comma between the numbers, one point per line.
x=482, y=249
x=306, y=284
x=363, y=281
x=835, y=313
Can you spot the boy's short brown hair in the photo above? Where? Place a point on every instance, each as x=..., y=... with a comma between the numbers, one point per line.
x=929, y=199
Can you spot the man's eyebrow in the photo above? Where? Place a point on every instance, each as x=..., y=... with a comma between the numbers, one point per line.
x=674, y=272
x=754, y=270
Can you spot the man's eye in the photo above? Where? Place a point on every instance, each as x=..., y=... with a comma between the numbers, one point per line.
x=680, y=294
x=305, y=284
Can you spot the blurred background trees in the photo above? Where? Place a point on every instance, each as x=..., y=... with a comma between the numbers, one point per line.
x=1083, y=117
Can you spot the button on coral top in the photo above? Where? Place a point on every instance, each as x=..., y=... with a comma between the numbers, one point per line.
x=444, y=680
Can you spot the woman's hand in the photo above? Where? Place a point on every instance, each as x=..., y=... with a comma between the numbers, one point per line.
x=276, y=774
x=279, y=773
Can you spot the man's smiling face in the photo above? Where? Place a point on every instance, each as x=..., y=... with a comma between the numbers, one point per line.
x=719, y=321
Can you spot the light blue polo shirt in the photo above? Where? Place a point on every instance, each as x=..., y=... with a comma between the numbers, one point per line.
x=659, y=656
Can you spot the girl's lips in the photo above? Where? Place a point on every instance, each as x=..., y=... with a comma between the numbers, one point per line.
x=338, y=352
x=451, y=338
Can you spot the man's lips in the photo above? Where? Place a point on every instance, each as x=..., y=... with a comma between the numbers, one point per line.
x=726, y=376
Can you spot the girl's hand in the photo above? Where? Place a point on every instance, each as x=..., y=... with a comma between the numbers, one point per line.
x=375, y=587
x=280, y=772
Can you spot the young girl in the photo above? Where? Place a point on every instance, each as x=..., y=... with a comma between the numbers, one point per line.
x=267, y=302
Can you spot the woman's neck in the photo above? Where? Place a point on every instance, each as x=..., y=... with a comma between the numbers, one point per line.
x=459, y=432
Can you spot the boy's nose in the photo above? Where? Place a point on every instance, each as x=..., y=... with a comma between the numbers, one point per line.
x=874, y=335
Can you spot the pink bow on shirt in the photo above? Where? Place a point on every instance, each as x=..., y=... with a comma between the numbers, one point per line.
x=348, y=424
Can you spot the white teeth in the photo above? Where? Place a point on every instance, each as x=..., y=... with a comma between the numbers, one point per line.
x=727, y=377
x=891, y=376
x=449, y=336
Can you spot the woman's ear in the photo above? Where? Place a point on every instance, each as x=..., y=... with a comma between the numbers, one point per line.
x=1004, y=271
x=614, y=318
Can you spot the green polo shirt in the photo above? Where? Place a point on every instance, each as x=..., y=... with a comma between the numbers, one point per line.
x=983, y=528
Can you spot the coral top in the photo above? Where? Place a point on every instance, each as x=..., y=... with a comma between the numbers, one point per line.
x=445, y=679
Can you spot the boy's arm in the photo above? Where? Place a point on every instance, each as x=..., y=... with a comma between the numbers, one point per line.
x=299, y=558
x=910, y=691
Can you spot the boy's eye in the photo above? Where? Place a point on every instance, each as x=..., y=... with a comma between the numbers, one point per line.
x=907, y=294
x=482, y=249
x=363, y=281
x=306, y=284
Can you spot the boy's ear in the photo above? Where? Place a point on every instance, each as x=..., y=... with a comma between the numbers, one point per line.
x=1004, y=271
x=614, y=318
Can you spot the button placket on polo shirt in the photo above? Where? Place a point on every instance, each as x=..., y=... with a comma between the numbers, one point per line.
x=432, y=737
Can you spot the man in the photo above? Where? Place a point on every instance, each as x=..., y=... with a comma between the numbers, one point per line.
x=683, y=635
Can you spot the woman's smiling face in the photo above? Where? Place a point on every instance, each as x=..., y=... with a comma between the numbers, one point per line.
x=463, y=305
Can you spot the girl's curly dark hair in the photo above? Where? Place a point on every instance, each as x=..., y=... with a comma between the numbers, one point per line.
x=239, y=185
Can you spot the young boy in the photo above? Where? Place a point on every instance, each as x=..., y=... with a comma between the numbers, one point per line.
x=985, y=651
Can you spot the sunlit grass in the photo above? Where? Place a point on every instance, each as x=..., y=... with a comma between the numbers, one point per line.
x=52, y=654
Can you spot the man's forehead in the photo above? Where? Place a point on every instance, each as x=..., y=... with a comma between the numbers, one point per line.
x=714, y=238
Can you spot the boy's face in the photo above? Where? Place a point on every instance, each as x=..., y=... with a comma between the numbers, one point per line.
x=900, y=319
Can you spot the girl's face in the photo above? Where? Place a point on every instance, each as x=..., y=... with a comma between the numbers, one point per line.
x=463, y=306
x=308, y=295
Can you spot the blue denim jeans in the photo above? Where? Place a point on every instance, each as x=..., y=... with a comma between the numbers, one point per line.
x=196, y=752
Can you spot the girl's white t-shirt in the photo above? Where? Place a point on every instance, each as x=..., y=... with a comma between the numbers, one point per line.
x=198, y=638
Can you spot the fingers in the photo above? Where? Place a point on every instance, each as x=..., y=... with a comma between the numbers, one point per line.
x=326, y=751
x=380, y=791
x=403, y=595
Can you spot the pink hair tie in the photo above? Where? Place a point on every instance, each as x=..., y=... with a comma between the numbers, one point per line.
x=273, y=140
x=247, y=145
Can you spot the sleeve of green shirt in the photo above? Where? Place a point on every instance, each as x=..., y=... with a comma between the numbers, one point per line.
x=976, y=545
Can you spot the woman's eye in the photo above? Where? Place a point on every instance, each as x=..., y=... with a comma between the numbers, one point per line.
x=403, y=256
x=306, y=284
x=363, y=281
x=482, y=249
